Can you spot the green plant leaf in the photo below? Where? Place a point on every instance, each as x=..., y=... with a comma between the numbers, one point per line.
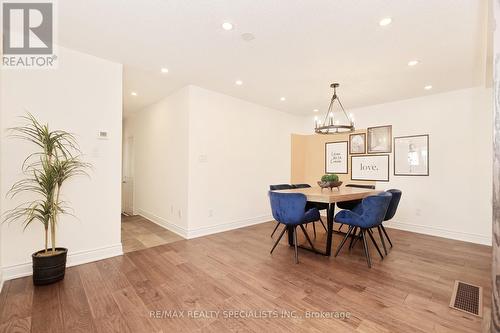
x=57, y=158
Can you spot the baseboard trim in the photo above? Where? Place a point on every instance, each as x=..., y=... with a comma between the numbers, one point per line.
x=203, y=231
x=440, y=232
x=74, y=259
x=163, y=223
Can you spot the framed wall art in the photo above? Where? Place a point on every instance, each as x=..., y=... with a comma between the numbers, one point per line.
x=357, y=143
x=336, y=157
x=379, y=139
x=411, y=155
x=370, y=167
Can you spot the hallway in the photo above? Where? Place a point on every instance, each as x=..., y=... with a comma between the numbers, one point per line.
x=139, y=233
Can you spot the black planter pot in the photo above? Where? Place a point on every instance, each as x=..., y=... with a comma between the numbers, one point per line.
x=50, y=269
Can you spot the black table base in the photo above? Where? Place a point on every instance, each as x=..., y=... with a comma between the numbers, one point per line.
x=329, y=234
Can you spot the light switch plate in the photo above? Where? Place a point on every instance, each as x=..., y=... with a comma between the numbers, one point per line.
x=103, y=135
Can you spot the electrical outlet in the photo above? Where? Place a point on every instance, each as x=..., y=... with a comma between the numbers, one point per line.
x=179, y=213
x=172, y=209
x=210, y=213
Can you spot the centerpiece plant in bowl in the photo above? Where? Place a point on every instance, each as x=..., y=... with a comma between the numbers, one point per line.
x=330, y=181
x=55, y=159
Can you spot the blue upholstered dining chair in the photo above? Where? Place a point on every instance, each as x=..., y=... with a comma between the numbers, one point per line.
x=351, y=204
x=276, y=188
x=289, y=209
x=391, y=211
x=371, y=214
x=309, y=205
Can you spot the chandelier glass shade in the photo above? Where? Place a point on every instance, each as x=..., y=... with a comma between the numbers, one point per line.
x=335, y=122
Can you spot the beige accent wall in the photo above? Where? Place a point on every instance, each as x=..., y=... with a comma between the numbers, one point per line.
x=308, y=158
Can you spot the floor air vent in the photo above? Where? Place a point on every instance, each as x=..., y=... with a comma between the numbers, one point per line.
x=467, y=298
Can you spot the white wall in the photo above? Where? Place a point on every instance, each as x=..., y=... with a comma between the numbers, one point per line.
x=236, y=150
x=83, y=96
x=455, y=200
x=160, y=135
x=212, y=157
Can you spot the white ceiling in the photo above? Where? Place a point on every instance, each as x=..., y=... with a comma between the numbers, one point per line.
x=300, y=47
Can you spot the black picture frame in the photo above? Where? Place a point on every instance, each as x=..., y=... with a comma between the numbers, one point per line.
x=369, y=156
x=395, y=155
x=364, y=143
x=369, y=143
x=346, y=157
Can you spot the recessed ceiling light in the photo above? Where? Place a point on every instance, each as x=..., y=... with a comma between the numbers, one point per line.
x=238, y=82
x=385, y=21
x=227, y=26
x=412, y=63
x=164, y=70
x=282, y=99
x=133, y=93
x=315, y=110
x=428, y=87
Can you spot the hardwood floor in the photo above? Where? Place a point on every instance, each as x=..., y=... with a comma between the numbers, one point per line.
x=408, y=291
x=139, y=233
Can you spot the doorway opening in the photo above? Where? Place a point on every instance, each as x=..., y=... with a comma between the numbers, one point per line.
x=137, y=232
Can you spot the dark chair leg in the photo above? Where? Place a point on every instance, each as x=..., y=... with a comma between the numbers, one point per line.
x=341, y=225
x=314, y=229
x=307, y=237
x=357, y=238
x=352, y=237
x=386, y=235
x=375, y=243
x=365, y=247
x=382, y=239
x=343, y=240
x=296, y=245
x=276, y=227
x=324, y=227
x=279, y=238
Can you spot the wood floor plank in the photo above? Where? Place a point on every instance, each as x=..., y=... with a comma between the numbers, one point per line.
x=145, y=289
x=76, y=313
x=134, y=312
x=18, y=325
x=113, y=277
x=47, y=311
x=112, y=324
x=3, y=295
x=17, y=308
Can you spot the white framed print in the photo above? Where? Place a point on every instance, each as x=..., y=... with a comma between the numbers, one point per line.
x=336, y=157
x=411, y=155
x=379, y=139
x=357, y=143
x=370, y=167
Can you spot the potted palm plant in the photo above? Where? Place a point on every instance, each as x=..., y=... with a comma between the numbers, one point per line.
x=57, y=158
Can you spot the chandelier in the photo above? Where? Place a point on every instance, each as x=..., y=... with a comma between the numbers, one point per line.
x=333, y=124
